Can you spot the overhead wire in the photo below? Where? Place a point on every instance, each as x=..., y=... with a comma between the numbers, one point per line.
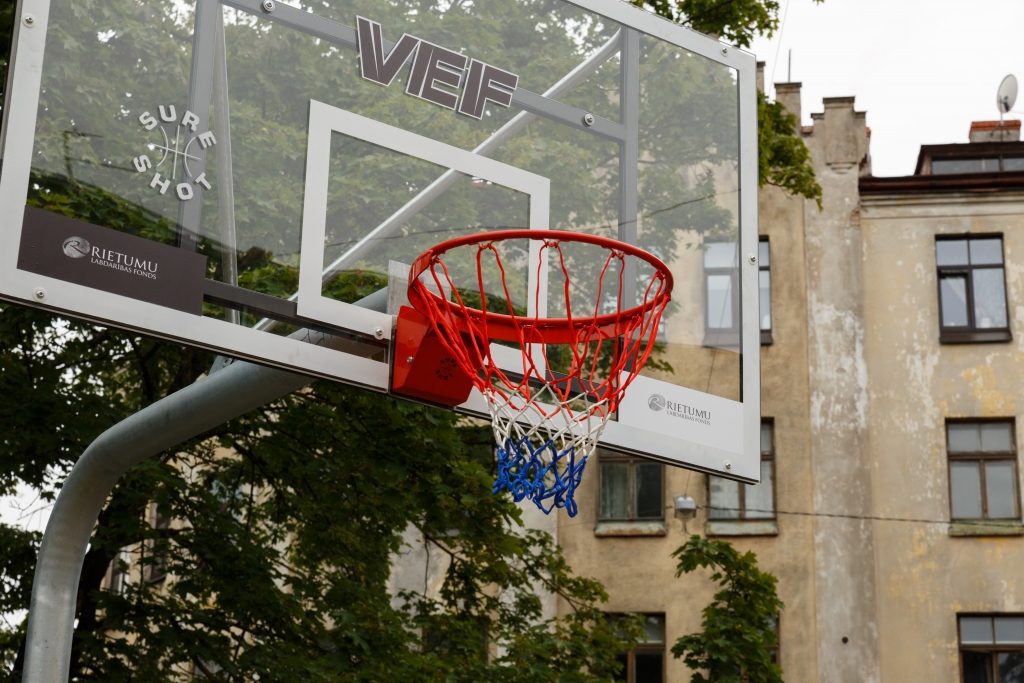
x=778, y=48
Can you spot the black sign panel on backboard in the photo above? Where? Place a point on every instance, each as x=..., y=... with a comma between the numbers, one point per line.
x=75, y=251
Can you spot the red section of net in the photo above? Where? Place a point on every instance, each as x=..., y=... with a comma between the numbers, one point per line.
x=596, y=349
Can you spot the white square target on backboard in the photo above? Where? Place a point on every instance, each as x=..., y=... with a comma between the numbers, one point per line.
x=238, y=173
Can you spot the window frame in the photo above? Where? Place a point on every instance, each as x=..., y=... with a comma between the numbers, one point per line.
x=768, y=456
x=984, y=157
x=767, y=337
x=611, y=457
x=156, y=571
x=660, y=648
x=981, y=457
x=971, y=334
x=993, y=649
x=722, y=337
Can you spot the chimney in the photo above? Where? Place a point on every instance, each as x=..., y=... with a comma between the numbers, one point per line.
x=995, y=131
x=788, y=94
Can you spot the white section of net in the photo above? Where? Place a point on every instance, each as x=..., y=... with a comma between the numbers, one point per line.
x=543, y=448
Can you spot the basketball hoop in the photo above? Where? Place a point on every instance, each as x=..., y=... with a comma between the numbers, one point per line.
x=549, y=412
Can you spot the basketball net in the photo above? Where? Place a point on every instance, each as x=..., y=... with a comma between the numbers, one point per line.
x=547, y=414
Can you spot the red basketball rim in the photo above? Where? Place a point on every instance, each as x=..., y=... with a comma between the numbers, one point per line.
x=550, y=330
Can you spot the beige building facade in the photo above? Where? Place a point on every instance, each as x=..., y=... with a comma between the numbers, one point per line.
x=892, y=368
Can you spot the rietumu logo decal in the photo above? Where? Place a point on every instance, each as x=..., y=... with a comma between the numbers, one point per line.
x=177, y=146
x=76, y=247
x=658, y=403
x=435, y=72
x=111, y=261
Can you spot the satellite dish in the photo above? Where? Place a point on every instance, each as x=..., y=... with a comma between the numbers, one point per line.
x=1007, y=94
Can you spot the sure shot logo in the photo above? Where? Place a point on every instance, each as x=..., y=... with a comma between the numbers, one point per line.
x=658, y=403
x=77, y=247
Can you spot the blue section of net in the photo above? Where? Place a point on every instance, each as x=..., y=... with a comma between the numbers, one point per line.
x=524, y=474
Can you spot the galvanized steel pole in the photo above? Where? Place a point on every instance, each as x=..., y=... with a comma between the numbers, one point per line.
x=223, y=395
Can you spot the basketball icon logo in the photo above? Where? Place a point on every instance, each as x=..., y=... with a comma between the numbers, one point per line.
x=656, y=402
x=447, y=369
x=76, y=247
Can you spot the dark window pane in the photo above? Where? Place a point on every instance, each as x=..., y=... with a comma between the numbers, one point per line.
x=951, y=252
x=623, y=659
x=720, y=302
x=996, y=437
x=725, y=499
x=764, y=289
x=987, y=252
x=964, y=437
x=766, y=437
x=760, y=504
x=976, y=667
x=953, y=290
x=614, y=490
x=1013, y=164
x=1011, y=667
x=649, y=667
x=946, y=166
x=976, y=630
x=965, y=487
x=763, y=254
x=989, y=298
x=1009, y=630
x=648, y=490
x=1000, y=489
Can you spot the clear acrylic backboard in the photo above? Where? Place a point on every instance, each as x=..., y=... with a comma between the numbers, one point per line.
x=225, y=172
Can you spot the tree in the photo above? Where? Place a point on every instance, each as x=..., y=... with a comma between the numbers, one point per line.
x=738, y=626
x=783, y=158
x=286, y=519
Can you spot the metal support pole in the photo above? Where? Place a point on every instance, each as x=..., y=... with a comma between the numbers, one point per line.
x=204, y=43
x=217, y=398
x=629, y=154
x=225, y=172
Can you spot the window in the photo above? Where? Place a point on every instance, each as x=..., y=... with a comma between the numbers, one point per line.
x=982, y=470
x=764, y=288
x=992, y=648
x=646, y=662
x=972, y=290
x=120, y=567
x=977, y=165
x=631, y=488
x=721, y=292
x=947, y=166
x=733, y=500
x=157, y=570
x=773, y=651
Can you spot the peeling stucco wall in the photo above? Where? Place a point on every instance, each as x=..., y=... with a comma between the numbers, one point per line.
x=844, y=549
x=925, y=576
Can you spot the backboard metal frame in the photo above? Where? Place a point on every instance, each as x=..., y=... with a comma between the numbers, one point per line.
x=634, y=432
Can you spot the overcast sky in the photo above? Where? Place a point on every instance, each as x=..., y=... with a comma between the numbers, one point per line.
x=921, y=69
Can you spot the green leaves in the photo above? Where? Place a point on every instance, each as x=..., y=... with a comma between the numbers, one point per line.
x=738, y=21
x=739, y=625
x=784, y=160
